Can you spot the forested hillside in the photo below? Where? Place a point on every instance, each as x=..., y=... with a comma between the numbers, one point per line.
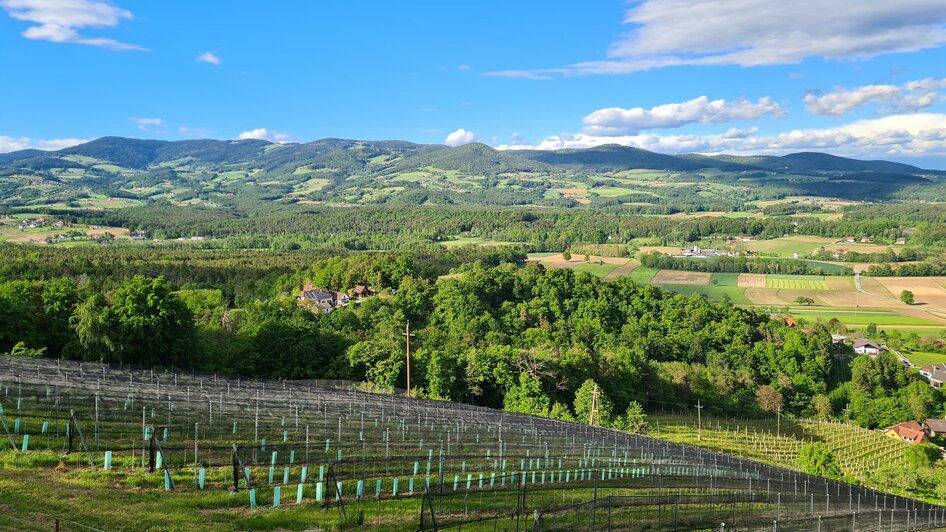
x=255, y=174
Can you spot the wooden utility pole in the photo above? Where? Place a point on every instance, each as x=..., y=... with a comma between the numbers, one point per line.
x=699, y=421
x=778, y=422
x=595, y=415
x=407, y=335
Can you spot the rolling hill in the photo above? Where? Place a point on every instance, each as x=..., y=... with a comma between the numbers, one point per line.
x=238, y=173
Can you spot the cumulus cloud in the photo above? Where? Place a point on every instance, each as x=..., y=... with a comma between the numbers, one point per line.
x=8, y=144
x=618, y=121
x=459, y=137
x=148, y=124
x=261, y=133
x=59, y=20
x=910, y=97
x=208, y=57
x=752, y=33
x=911, y=135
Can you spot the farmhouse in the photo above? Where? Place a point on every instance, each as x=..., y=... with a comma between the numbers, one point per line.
x=324, y=300
x=863, y=346
x=935, y=427
x=361, y=291
x=935, y=374
x=909, y=432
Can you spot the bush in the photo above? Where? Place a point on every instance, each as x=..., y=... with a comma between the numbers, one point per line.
x=922, y=455
x=818, y=459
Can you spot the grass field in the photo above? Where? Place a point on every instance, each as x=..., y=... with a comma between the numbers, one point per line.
x=736, y=294
x=787, y=246
x=594, y=268
x=861, y=317
x=922, y=359
x=643, y=274
x=725, y=279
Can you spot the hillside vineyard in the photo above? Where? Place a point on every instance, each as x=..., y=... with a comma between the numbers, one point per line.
x=323, y=443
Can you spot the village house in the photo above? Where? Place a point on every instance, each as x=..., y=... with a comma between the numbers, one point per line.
x=901, y=240
x=867, y=240
x=909, y=432
x=935, y=374
x=361, y=291
x=323, y=299
x=935, y=427
x=863, y=346
x=850, y=240
x=837, y=342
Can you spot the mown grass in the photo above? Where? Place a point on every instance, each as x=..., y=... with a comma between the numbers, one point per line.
x=736, y=294
x=921, y=359
x=643, y=274
x=594, y=268
x=33, y=494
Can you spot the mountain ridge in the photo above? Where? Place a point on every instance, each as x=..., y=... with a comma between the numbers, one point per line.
x=159, y=151
x=254, y=174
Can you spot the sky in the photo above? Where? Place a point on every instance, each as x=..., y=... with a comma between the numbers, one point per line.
x=857, y=78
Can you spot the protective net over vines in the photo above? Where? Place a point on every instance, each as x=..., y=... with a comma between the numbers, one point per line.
x=332, y=444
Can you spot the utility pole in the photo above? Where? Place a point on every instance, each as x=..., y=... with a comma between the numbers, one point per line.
x=407, y=334
x=699, y=421
x=778, y=422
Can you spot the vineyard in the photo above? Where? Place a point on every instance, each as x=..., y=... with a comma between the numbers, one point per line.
x=778, y=443
x=188, y=451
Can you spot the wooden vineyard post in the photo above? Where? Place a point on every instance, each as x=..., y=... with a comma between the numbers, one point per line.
x=595, y=417
x=407, y=335
x=699, y=421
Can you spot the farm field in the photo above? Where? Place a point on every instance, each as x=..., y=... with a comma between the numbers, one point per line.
x=788, y=245
x=623, y=270
x=643, y=274
x=860, y=317
x=927, y=291
x=596, y=264
x=680, y=277
x=40, y=234
x=796, y=282
x=735, y=293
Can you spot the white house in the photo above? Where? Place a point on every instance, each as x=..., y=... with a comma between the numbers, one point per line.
x=863, y=346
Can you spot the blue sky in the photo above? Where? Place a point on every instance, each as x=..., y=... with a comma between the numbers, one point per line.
x=737, y=76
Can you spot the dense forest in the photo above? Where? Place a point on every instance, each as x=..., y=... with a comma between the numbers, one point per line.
x=491, y=332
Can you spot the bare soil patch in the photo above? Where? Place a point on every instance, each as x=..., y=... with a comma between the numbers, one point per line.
x=751, y=280
x=675, y=277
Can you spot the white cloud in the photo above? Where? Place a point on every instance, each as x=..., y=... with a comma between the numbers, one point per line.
x=8, y=144
x=761, y=32
x=194, y=132
x=910, y=97
x=464, y=68
x=148, y=124
x=459, y=137
x=618, y=121
x=261, y=133
x=59, y=20
x=208, y=57
x=909, y=135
